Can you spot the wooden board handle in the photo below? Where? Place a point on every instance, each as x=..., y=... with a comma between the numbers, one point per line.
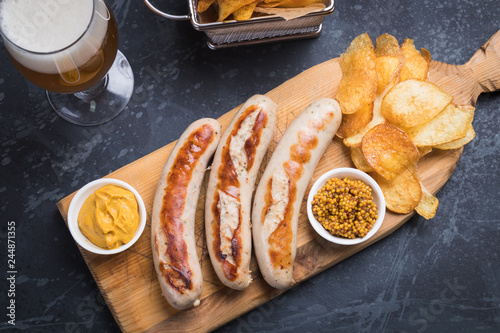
x=478, y=75
x=484, y=67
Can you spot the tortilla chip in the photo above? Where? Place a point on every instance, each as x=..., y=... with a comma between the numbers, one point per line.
x=227, y=7
x=245, y=12
x=203, y=5
x=288, y=3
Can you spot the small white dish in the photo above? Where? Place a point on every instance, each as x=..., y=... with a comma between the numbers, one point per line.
x=77, y=203
x=354, y=174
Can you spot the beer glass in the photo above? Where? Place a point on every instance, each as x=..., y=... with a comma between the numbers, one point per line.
x=69, y=48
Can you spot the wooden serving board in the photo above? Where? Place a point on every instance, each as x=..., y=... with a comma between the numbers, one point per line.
x=128, y=280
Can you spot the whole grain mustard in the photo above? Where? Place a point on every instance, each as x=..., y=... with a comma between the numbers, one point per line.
x=345, y=208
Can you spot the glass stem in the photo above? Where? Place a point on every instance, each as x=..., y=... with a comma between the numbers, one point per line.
x=91, y=93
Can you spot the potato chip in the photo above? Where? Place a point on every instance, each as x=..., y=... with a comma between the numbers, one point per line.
x=388, y=150
x=358, y=85
x=403, y=193
x=377, y=118
x=354, y=122
x=245, y=12
x=387, y=72
x=410, y=117
x=424, y=150
x=387, y=45
x=450, y=125
x=428, y=204
x=467, y=108
x=227, y=7
x=414, y=102
x=388, y=61
x=471, y=134
x=416, y=64
x=359, y=160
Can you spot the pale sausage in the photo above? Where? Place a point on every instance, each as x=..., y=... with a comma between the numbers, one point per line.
x=230, y=187
x=281, y=189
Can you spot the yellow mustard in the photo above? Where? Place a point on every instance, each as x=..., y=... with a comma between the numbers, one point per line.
x=109, y=217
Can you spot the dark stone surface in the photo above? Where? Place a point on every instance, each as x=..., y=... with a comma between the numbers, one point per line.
x=441, y=275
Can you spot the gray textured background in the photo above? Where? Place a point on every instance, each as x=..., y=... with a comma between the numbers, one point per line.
x=441, y=275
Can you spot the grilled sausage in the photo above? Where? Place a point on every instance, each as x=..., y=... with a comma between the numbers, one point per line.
x=230, y=187
x=173, y=218
x=281, y=189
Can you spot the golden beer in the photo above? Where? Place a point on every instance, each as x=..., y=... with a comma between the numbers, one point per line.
x=86, y=38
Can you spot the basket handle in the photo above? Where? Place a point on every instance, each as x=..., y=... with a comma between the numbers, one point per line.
x=169, y=16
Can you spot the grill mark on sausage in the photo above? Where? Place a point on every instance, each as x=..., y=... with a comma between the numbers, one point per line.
x=280, y=240
x=229, y=183
x=253, y=141
x=176, y=270
x=268, y=199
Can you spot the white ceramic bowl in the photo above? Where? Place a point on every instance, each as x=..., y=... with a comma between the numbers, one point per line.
x=77, y=203
x=354, y=174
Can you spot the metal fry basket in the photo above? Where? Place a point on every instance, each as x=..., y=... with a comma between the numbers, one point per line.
x=259, y=29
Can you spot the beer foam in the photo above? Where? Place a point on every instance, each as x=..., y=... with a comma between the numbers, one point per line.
x=47, y=26
x=44, y=25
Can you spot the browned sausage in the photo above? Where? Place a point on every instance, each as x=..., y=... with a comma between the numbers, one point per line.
x=173, y=218
x=230, y=187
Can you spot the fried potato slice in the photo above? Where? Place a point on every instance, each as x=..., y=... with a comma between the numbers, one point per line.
x=245, y=12
x=227, y=7
x=388, y=61
x=414, y=102
x=377, y=118
x=424, y=150
x=354, y=122
x=358, y=85
x=428, y=204
x=389, y=150
x=387, y=45
x=416, y=65
x=471, y=134
x=450, y=125
x=467, y=108
x=403, y=193
x=387, y=72
x=359, y=160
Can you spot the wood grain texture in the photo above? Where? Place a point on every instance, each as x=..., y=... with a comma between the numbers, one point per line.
x=478, y=75
x=128, y=280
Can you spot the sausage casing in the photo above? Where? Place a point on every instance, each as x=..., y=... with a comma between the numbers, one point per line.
x=173, y=217
x=282, y=186
x=230, y=187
